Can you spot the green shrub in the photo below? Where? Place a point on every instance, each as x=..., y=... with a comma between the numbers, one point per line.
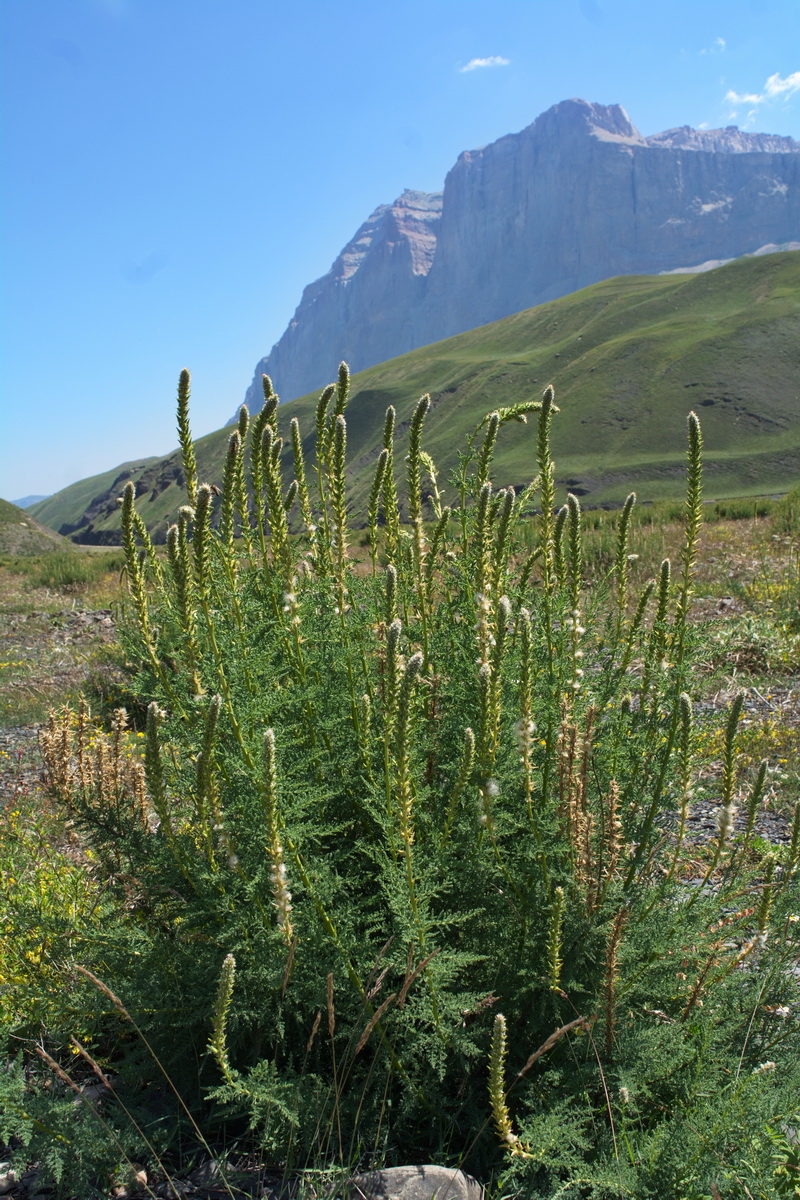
x=402, y=823
x=50, y=906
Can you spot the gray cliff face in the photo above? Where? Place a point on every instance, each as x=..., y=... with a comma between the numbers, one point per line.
x=381, y=273
x=577, y=197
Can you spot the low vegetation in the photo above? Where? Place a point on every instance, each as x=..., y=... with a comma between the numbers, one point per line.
x=390, y=855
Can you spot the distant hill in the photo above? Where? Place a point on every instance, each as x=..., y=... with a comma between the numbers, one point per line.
x=22, y=535
x=629, y=358
x=28, y=501
x=576, y=197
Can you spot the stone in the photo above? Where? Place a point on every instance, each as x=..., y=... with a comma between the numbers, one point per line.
x=209, y=1173
x=415, y=1183
x=577, y=197
x=8, y=1177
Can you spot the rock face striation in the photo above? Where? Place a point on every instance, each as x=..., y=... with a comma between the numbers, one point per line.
x=576, y=197
x=363, y=310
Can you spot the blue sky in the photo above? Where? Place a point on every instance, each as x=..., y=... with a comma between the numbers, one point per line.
x=176, y=171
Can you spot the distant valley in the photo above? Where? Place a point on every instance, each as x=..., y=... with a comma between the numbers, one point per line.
x=629, y=358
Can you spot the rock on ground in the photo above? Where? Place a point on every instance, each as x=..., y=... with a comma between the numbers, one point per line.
x=415, y=1183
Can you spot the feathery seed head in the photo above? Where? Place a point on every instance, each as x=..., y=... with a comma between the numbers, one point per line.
x=686, y=708
x=391, y=593
x=413, y=668
x=725, y=817
x=524, y=733
x=234, y=445
x=342, y=389
x=269, y=754
x=217, y=1044
x=497, y=1100
x=185, y=436
x=422, y=406
x=204, y=494
x=225, y=989
x=128, y=497
x=487, y=449
x=321, y=419
x=202, y=530
x=291, y=495
x=388, y=426
x=484, y=497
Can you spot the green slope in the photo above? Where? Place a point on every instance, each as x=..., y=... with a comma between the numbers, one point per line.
x=629, y=358
x=22, y=535
x=74, y=508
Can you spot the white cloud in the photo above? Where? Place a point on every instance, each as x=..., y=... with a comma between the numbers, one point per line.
x=494, y=60
x=777, y=86
x=717, y=46
x=774, y=88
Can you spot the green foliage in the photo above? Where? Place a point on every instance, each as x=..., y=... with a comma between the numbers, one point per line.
x=69, y=570
x=73, y=570
x=387, y=809
x=50, y=911
x=83, y=1139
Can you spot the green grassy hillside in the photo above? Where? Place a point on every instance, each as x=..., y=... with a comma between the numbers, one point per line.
x=74, y=508
x=629, y=358
x=22, y=535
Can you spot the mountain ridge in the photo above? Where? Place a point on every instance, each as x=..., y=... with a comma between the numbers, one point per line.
x=577, y=196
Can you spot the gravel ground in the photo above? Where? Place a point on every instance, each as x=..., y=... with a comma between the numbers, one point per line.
x=20, y=762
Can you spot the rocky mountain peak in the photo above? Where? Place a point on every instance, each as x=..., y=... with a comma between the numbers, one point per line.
x=608, y=122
